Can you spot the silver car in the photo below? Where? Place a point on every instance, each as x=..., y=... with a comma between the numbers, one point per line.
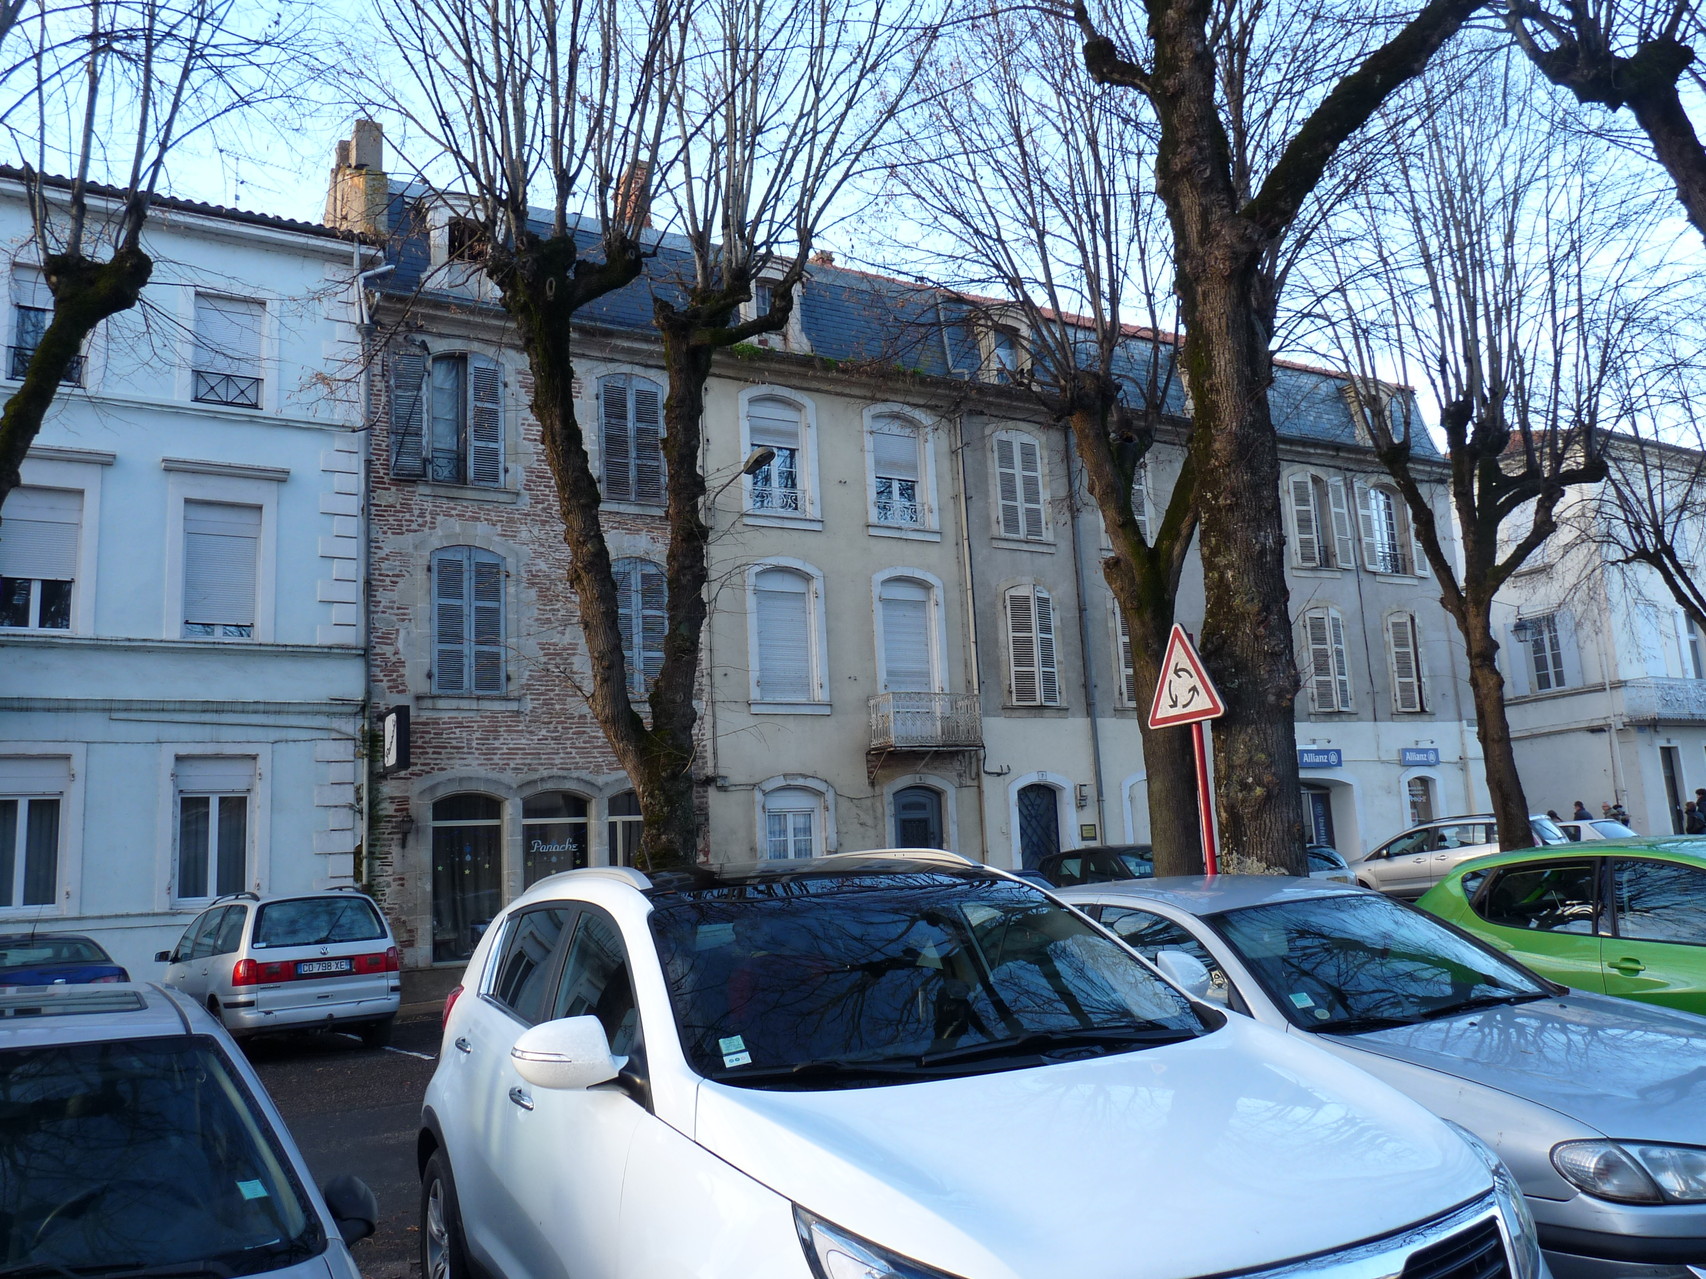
x=310, y=961
x=136, y=1140
x=1597, y=1105
x=1408, y=865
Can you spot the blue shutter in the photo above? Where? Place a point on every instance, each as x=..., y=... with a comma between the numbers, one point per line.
x=450, y=620
x=408, y=369
x=486, y=621
x=485, y=423
x=616, y=445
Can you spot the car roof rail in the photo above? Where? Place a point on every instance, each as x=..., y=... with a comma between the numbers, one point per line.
x=346, y=888
x=622, y=874
x=231, y=897
x=908, y=854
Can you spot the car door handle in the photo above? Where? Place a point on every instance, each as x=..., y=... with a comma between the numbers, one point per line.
x=1628, y=967
x=521, y=1099
x=462, y=1044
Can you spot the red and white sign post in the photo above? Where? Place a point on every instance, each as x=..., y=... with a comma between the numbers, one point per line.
x=1186, y=695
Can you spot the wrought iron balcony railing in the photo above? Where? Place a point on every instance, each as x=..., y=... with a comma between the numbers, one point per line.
x=1664, y=701
x=226, y=388
x=924, y=721
x=18, y=363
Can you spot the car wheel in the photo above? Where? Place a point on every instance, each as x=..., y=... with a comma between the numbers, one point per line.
x=443, y=1255
x=376, y=1034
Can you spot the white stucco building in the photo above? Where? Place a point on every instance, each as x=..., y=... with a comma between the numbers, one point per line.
x=181, y=609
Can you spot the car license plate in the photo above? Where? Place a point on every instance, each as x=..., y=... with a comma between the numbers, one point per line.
x=307, y=967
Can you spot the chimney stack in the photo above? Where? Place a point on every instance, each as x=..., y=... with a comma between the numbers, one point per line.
x=634, y=195
x=359, y=190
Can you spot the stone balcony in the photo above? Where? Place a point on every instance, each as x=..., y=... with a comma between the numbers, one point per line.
x=925, y=721
x=1664, y=701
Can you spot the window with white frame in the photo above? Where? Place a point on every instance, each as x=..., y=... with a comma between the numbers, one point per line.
x=468, y=622
x=1385, y=521
x=898, y=495
x=1020, y=511
x=1140, y=497
x=226, y=366
x=905, y=607
x=792, y=335
x=630, y=417
x=221, y=554
x=1127, y=664
x=213, y=815
x=623, y=826
x=1404, y=657
x=1033, y=679
x=1693, y=654
x=1003, y=355
x=1546, y=652
x=779, y=486
x=38, y=558
x=455, y=421
x=642, y=614
x=1328, y=672
x=1320, y=514
x=32, y=793
x=32, y=312
x=793, y=823
x=785, y=641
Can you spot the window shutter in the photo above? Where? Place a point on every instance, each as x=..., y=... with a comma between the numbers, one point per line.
x=1140, y=498
x=29, y=287
x=1569, y=654
x=643, y=618
x=408, y=368
x=1048, y=681
x=38, y=537
x=228, y=335
x=781, y=615
x=1022, y=646
x=450, y=590
x=1031, y=486
x=649, y=470
x=772, y=422
x=1007, y=484
x=1406, y=663
x=907, y=667
x=485, y=423
x=1515, y=663
x=616, y=443
x=1303, y=522
x=1128, y=666
x=1341, y=662
x=1322, y=685
x=220, y=545
x=894, y=450
x=1344, y=539
x=487, y=609
x=1365, y=522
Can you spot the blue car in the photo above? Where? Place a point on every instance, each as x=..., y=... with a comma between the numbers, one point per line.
x=55, y=959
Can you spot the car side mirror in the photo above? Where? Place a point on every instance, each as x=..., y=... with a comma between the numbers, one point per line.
x=353, y=1206
x=570, y=1053
x=1185, y=971
x=162, y=956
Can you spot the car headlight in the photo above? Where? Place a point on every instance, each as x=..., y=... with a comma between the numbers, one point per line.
x=1633, y=1172
x=833, y=1253
x=1520, y=1236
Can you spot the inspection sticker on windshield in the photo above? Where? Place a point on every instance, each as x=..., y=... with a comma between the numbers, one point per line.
x=1302, y=1000
x=734, y=1051
x=252, y=1189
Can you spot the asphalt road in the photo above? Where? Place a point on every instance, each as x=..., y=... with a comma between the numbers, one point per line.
x=357, y=1111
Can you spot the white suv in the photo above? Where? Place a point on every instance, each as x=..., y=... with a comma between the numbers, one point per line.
x=904, y=1065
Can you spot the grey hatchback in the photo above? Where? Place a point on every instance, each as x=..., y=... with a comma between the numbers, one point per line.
x=313, y=961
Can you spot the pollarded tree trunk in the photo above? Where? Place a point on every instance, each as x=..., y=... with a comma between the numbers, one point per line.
x=1492, y=725
x=84, y=294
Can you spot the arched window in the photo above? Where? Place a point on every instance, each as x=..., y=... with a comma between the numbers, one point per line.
x=1320, y=522
x=642, y=615
x=553, y=834
x=623, y=827
x=467, y=622
x=1328, y=672
x=1019, y=488
x=905, y=608
x=898, y=490
x=1386, y=542
x=1033, y=679
x=1039, y=823
x=1404, y=660
x=630, y=416
x=793, y=823
x=779, y=486
x=785, y=640
x=467, y=872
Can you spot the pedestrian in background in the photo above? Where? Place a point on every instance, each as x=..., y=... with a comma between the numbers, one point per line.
x=1693, y=821
x=1581, y=814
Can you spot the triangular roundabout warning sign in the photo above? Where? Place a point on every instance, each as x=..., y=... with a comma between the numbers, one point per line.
x=1184, y=694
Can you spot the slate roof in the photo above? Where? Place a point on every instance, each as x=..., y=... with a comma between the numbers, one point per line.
x=856, y=317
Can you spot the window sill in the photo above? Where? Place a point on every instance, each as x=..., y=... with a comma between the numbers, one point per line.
x=905, y=532
x=760, y=520
x=1037, y=545
x=1400, y=579
x=468, y=492
x=654, y=509
x=1035, y=712
x=790, y=708
x=446, y=703
x=1325, y=574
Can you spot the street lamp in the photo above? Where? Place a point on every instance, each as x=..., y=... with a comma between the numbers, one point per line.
x=1523, y=631
x=756, y=461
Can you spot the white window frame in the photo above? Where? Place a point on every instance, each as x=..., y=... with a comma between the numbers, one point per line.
x=938, y=638
x=810, y=515
x=817, y=645
x=1044, y=538
x=928, y=526
x=467, y=278
x=85, y=481
x=258, y=867
x=266, y=392
x=1546, y=628
x=990, y=366
x=1044, y=670
x=48, y=770
x=1399, y=559
x=187, y=486
x=824, y=833
x=793, y=335
x=1333, y=543
x=1339, y=673
x=1420, y=680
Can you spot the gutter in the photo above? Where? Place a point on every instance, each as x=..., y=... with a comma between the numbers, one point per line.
x=1085, y=649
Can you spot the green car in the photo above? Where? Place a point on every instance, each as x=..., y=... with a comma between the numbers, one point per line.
x=1619, y=917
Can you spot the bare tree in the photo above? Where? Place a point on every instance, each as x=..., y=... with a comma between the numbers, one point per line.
x=106, y=92
x=739, y=126
x=1253, y=103
x=1514, y=277
x=1035, y=180
x=1626, y=54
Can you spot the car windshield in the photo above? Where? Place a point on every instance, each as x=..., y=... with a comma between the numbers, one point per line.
x=142, y=1153
x=27, y=952
x=1349, y=963
x=314, y=921
x=816, y=977
x=1547, y=831
x=1141, y=865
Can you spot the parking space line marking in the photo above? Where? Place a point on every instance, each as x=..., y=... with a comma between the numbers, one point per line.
x=407, y=1053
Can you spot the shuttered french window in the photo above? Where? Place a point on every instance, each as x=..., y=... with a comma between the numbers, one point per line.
x=38, y=557
x=1019, y=486
x=468, y=622
x=1033, y=677
x=782, y=617
x=907, y=663
x=1404, y=652
x=1329, y=668
x=221, y=551
x=227, y=363
x=631, y=439
x=642, y=615
x=896, y=473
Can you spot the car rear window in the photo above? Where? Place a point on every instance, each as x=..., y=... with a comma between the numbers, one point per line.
x=24, y=953
x=315, y=921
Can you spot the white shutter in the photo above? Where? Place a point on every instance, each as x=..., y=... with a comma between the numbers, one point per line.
x=1048, y=680
x=1031, y=486
x=1569, y=653
x=773, y=422
x=486, y=619
x=907, y=667
x=1341, y=660
x=1306, y=536
x=1022, y=646
x=38, y=534
x=1317, y=639
x=1405, y=654
x=1128, y=666
x=29, y=287
x=1140, y=498
x=213, y=774
x=650, y=482
x=485, y=423
x=616, y=439
x=1012, y=520
x=894, y=450
x=781, y=612
x=221, y=542
x=450, y=574
x=1365, y=522
x=1344, y=537
x=228, y=335
x=408, y=368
